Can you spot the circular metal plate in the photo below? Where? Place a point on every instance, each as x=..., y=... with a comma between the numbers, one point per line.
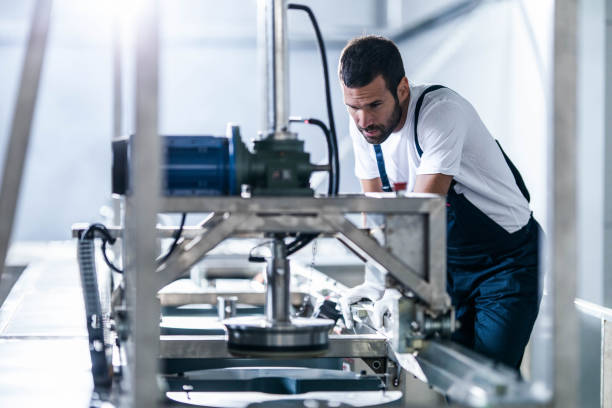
x=321, y=399
x=254, y=335
x=243, y=387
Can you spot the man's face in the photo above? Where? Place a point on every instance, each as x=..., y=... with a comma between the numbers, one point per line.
x=374, y=109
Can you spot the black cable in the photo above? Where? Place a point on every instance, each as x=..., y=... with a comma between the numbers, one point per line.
x=259, y=259
x=106, y=237
x=330, y=113
x=330, y=149
x=106, y=260
x=304, y=239
x=177, y=237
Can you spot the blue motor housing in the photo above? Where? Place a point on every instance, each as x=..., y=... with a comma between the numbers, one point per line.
x=196, y=166
x=220, y=166
x=192, y=166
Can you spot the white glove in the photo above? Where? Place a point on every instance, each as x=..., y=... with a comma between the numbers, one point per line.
x=387, y=304
x=372, y=288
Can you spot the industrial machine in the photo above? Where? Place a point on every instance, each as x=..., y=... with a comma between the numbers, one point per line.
x=239, y=342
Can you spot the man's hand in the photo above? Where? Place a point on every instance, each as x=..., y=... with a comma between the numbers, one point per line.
x=372, y=289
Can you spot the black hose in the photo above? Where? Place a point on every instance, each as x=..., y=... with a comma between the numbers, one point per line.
x=332, y=125
x=108, y=238
x=177, y=237
x=331, y=152
x=334, y=183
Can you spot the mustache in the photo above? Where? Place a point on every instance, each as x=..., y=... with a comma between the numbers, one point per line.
x=372, y=128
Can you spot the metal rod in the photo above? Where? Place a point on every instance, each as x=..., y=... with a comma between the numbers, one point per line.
x=277, y=286
x=561, y=244
x=140, y=218
x=21, y=127
x=276, y=77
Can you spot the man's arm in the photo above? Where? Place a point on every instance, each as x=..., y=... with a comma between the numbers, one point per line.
x=372, y=185
x=432, y=183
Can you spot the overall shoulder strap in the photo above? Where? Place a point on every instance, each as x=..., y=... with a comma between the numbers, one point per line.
x=517, y=175
x=380, y=161
x=417, y=110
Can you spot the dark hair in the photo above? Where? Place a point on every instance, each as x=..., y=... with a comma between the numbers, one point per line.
x=364, y=58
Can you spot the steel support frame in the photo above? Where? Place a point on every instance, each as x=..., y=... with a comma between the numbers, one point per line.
x=560, y=248
x=141, y=208
x=326, y=215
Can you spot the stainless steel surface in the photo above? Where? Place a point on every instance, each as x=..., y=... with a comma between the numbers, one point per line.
x=277, y=284
x=256, y=335
x=345, y=345
x=419, y=203
x=561, y=231
x=209, y=297
x=468, y=378
x=141, y=210
x=226, y=306
x=276, y=79
x=21, y=126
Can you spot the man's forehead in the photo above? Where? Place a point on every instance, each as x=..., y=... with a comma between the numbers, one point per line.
x=376, y=89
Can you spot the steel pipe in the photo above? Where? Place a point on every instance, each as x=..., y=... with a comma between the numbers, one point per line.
x=277, y=286
x=276, y=68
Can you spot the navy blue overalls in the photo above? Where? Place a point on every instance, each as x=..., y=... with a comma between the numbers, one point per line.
x=492, y=275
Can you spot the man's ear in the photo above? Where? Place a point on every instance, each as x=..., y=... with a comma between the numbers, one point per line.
x=403, y=89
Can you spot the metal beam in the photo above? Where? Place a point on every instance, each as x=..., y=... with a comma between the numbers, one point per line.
x=340, y=345
x=21, y=128
x=141, y=215
x=413, y=203
x=561, y=244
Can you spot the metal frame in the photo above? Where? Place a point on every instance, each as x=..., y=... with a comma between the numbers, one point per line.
x=561, y=243
x=141, y=208
x=327, y=215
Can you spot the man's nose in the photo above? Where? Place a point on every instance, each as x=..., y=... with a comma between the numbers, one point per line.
x=363, y=119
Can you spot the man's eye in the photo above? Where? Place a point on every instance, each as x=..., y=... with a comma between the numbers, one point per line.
x=375, y=105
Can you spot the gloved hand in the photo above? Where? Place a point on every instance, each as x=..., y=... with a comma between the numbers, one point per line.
x=372, y=288
x=387, y=304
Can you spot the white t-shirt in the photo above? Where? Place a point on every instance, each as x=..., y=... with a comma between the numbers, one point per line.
x=454, y=142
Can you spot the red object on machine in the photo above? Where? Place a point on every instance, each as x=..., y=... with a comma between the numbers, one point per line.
x=400, y=186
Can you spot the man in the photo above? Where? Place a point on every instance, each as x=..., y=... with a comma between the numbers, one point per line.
x=433, y=140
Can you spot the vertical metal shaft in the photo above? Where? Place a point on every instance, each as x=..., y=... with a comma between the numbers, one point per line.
x=21, y=127
x=141, y=208
x=276, y=76
x=561, y=242
x=277, y=287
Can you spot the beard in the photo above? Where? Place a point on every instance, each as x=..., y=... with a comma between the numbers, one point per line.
x=383, y=131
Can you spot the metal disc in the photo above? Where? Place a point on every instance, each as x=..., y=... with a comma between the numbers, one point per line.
x=254, y=335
